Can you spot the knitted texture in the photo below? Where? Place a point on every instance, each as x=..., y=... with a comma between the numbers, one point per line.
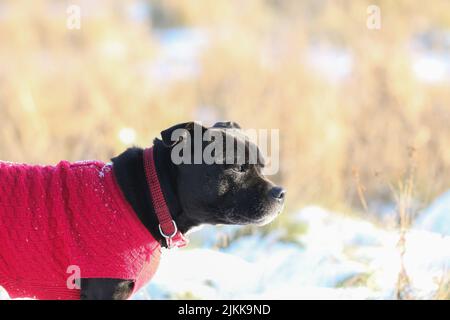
x=72, y=214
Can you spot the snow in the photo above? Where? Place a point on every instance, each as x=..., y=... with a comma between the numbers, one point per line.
x=179, y=54
x=181, y=49
x=432, y=67
x=436, y=218
x=335, y=249
x=333, y=256
x=333, y=63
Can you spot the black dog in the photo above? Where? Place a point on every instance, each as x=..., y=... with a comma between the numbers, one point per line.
x=195, y=194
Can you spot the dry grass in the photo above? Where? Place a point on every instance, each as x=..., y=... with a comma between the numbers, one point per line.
x=66, y=94
x=443, y=292
x=404, y=196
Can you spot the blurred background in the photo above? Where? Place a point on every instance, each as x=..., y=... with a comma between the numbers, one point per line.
x=363, y=114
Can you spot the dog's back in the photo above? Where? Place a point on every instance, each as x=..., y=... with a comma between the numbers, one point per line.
x=54, y=217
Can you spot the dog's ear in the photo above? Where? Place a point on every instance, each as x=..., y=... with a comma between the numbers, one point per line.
x=227, y=125
x=166, y=135
x=187, y=127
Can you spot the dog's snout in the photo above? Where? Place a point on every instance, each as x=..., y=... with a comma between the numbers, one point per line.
x=277, y=193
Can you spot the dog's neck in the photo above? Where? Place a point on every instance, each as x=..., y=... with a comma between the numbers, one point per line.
x=130, y=174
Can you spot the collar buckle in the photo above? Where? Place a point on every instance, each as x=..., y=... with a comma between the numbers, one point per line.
x=169, y=238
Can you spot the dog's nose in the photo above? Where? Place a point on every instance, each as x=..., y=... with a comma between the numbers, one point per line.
x=277, y=193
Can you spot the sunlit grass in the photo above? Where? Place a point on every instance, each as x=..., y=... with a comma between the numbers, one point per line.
x=89, y=93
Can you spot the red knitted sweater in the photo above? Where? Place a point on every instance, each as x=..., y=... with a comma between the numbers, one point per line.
x=55, y=217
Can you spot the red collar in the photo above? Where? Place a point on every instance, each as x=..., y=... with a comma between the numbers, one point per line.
x=167, y=226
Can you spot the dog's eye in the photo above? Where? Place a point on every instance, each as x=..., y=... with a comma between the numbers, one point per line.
x=240, y=168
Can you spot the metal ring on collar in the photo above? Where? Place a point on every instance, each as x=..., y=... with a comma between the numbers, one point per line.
x=169, y=236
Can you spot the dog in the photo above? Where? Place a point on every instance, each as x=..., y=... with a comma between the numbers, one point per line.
x=94, y=231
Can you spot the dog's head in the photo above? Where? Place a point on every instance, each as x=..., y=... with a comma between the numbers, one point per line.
x=229, y=190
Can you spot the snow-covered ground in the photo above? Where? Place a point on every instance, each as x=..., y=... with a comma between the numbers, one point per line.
x=335, y=258
x=436, y=218
x=326, y=256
